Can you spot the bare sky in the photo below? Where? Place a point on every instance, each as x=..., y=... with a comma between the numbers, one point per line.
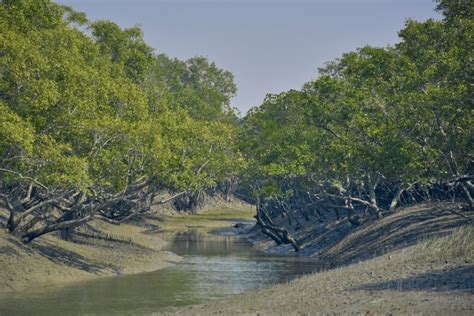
x=269, y=45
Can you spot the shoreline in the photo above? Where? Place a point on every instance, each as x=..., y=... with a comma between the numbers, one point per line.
x=434, y=275
x=338, y=243
x=429, y=272
x=55, y=262
x=414, y=280
x=104, y=250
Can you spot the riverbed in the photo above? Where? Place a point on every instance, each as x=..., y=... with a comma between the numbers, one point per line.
x=212, y=267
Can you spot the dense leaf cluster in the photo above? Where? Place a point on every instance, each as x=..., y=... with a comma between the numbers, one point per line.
x=376, y=123
x=93, y=124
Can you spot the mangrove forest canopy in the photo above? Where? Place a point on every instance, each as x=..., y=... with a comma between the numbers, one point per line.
x=94, y=125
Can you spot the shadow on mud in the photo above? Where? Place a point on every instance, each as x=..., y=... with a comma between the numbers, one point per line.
x=456, y=279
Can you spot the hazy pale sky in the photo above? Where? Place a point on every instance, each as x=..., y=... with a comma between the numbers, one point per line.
x=269, y=45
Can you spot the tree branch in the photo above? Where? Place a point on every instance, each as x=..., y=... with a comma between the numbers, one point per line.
x=25, y=177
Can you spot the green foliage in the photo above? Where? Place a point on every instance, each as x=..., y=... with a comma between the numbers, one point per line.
x=195, y=85
x=400, y=114
x=125, y=48
x=99, y=112
x=96, y=116
x=16, y=135
x=456, y=9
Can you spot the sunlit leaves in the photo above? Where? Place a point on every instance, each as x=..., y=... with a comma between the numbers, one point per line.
x=403, y=113
x=99, y=112
x=16, y=135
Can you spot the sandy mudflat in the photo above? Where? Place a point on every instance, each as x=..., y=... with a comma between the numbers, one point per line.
x=415, y=276
x=50, y=260
x=409, y=281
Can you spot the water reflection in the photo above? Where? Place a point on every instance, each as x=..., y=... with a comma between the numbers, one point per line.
x=213, y=267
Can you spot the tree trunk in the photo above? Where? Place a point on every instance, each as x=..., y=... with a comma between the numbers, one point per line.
x=28, y=237
x=351, y=217
x=452, y=162
x=467, y=195
x=373, y=198
x=11, y=225
x=28, y=225
x=278, y=234
x=396, y=198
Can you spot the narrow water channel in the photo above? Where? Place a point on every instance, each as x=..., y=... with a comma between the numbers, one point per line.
x=212, y=267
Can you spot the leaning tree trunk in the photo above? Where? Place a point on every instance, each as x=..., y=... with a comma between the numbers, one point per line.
x=373, y=198
x=467, y=195
x=396, y=199
x=279, y=234
x=33, y=234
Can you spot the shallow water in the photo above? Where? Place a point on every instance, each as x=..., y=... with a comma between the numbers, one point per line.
x=212, y=267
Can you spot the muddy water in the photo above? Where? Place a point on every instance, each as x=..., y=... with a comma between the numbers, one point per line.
x=213, y=267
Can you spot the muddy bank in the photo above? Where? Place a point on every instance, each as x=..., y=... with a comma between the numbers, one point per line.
x=101, y=249
x=51, y=261
x=435, y=277
x=417, y=260
x=337, y=242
